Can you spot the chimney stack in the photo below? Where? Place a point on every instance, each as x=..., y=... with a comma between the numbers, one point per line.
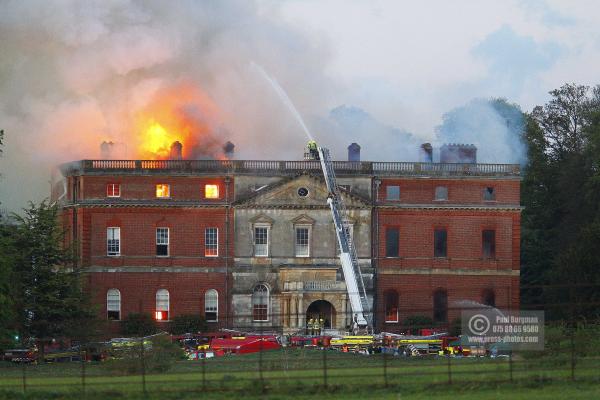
x=106, y=150
x=426, y=153
x=458, y=153
x=228, y=149
x=176, y=151
x=354, y=152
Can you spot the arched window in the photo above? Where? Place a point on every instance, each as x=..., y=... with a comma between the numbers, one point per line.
x=440, y=306
x=260, y=303
x=162, y=305
x=391, y=305
x=488, y=297
x=211, y=305
x=113, y=304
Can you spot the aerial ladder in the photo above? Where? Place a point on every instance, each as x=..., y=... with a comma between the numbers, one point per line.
x=350, y=267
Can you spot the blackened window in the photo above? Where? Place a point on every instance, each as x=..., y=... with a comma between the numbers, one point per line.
x=489, y=193
x=488, y=244
x=440, y=306
x=392, y=193
x=392, y=237
x=162, y=241
x=440, y=243
x=488, y=298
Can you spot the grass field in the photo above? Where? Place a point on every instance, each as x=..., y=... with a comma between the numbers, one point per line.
x=310, y=373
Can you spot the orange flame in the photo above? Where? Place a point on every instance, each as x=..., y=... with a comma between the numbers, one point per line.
x=179, y=113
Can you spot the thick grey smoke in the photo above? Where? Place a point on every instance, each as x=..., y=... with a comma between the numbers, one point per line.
x=494, y=126
x=76, y=73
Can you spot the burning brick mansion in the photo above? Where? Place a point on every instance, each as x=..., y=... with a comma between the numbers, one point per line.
x=250, y=244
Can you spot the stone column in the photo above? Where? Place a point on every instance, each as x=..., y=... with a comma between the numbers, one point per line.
x=343, y=317
x=301, y=312
x=293, y=312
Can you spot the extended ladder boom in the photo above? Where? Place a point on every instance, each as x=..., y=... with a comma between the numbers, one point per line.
x=348, y=257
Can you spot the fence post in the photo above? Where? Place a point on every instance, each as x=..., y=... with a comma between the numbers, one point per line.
x=260, y=363
x=385, y=375
x=204, y=373
x=82, y=357
x=24, y=376
x=510, y=365
x=573, y=353
x=143, y=365
x=449, y=370
x=324, y=367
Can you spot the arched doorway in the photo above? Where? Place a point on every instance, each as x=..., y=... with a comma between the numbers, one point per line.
x=322, y=309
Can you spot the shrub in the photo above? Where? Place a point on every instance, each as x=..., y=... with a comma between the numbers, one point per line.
x=416, y=322
x=187, y=323
x=140, y=324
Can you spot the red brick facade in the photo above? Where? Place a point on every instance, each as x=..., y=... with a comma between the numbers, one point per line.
x=468, y=206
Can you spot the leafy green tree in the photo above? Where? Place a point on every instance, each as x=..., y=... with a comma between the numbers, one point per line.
x=187, y=323
x=138, y=324
x=49, y=300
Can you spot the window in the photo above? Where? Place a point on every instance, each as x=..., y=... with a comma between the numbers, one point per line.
x=260, y=303
x=488, y=244
x=440, y=246
x=261, y=241
x=113, y=304
x=488, y=298
x=113, y=190
x=211, y=305
x=211, y=242
x=392, y=192
x=302, y=192
x=441, y=193
x=302, y=241
x=489, y=194
x=211, y=191
x=392, y=237
x=162, y=305
x=162, y=241
x=163, y=190
x=440, y=306
x=391, y=306
x=113, y=241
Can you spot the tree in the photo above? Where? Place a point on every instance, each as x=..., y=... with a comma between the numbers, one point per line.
x=49, y=299
x=140, y=324
x=187, y=323
x=561, y=195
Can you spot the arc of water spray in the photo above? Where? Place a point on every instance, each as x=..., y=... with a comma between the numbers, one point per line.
x=283, y=96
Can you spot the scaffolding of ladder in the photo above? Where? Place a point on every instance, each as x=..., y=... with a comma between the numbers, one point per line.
x=348, y=257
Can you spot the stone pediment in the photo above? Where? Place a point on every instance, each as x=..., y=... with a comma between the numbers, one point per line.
x=261, y=219
x=303, y=220
x=303, y=191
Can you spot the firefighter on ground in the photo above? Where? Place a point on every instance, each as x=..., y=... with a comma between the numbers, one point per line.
x=310, y=326
x=316, y=327
x=313, y=150
x=321, y=325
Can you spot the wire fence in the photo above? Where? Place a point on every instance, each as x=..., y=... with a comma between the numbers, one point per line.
x=320, y=357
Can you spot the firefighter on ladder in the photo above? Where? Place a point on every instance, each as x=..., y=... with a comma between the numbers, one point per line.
x=313, y=150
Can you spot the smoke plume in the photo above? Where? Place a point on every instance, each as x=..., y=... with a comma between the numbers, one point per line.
x=75, y=74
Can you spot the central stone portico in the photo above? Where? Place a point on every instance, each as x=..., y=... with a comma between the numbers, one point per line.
x=286, y=267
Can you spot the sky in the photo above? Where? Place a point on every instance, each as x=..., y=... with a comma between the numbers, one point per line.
x=73, y=74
